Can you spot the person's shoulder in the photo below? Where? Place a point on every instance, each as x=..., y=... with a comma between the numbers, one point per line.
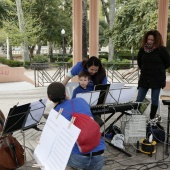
x=90, y=88
x=76, y=88
x=162, y=48
x=79, y=63
x=79, y=100
x=141, y=49
x=76, y=69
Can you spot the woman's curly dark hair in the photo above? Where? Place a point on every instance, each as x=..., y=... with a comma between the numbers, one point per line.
x=158, y=42
x=101, y=73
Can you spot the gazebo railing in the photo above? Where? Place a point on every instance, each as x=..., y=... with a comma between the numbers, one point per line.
x=44, y=74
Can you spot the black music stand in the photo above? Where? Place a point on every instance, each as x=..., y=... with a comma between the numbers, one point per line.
x=16, y=119
x=103, y=88
x=24, y=117
x=166, y=101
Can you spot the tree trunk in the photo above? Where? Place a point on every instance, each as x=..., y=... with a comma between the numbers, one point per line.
x=84, y=29
x=50, y=50
x=105, y=11
x=24, y=44
x=9, y=49
x=111, y=19
x=38, y=49
x=31, y=50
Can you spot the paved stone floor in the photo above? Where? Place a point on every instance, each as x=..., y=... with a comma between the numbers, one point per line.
x=22, y=93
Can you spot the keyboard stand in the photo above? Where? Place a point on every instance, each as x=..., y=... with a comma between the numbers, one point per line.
x=122, y=150
x=112, y=110
x=122, y=113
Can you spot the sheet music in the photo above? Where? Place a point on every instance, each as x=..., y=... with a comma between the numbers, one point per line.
x=113, y=96
x=53, y=154
x=121, y=95
x=36, y=111
x=135, y=128
x=127, y=94
x=90, y=97
x=116, y=86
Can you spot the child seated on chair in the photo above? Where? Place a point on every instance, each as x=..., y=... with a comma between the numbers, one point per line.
x=83, y=79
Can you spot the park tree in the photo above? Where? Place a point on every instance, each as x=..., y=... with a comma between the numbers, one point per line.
x=108, y=7
x=133, y=18
x=103, y=31
x=52, y=16
x=16, y=31
x=8, y=25
x=3, y=15
x=24, y=44
x=43, y=21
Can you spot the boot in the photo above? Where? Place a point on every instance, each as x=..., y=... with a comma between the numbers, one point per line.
x=153, y=111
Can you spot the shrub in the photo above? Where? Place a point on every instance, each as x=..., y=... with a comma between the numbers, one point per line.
x=126, y=55
x=11, y=63
x=40, y=59
x=118, y=64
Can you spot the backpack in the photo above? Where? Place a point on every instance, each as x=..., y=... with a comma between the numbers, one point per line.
x=157, y=131
x=90, y=133
x=112, y=131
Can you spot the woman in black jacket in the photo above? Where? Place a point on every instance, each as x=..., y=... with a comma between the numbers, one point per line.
x=153, y=60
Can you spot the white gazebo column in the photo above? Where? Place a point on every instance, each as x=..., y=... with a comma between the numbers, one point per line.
x=93, y=28
x=77, y=31
x=163, y=19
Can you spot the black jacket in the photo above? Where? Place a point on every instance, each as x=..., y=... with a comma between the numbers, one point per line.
x=153, y=67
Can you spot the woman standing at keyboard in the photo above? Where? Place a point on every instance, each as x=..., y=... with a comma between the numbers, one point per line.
x=94, y=66
x=153, y=60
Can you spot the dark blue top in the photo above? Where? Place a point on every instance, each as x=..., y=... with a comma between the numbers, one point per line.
x=82, y=107
x=80, y=89
x=78, y=68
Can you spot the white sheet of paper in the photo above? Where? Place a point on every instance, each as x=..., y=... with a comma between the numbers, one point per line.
x=90, y=97
x=56, y=142
x=127, y=94
x=135, y=128
x=121, y=95
x=36, y=112
x=116, y=86
x=113, y=96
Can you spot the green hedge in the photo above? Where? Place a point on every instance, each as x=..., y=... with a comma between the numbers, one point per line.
x=11, y=63
x=40, y=59
x=126, y=55
x=14, y=63
x=117, y=64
